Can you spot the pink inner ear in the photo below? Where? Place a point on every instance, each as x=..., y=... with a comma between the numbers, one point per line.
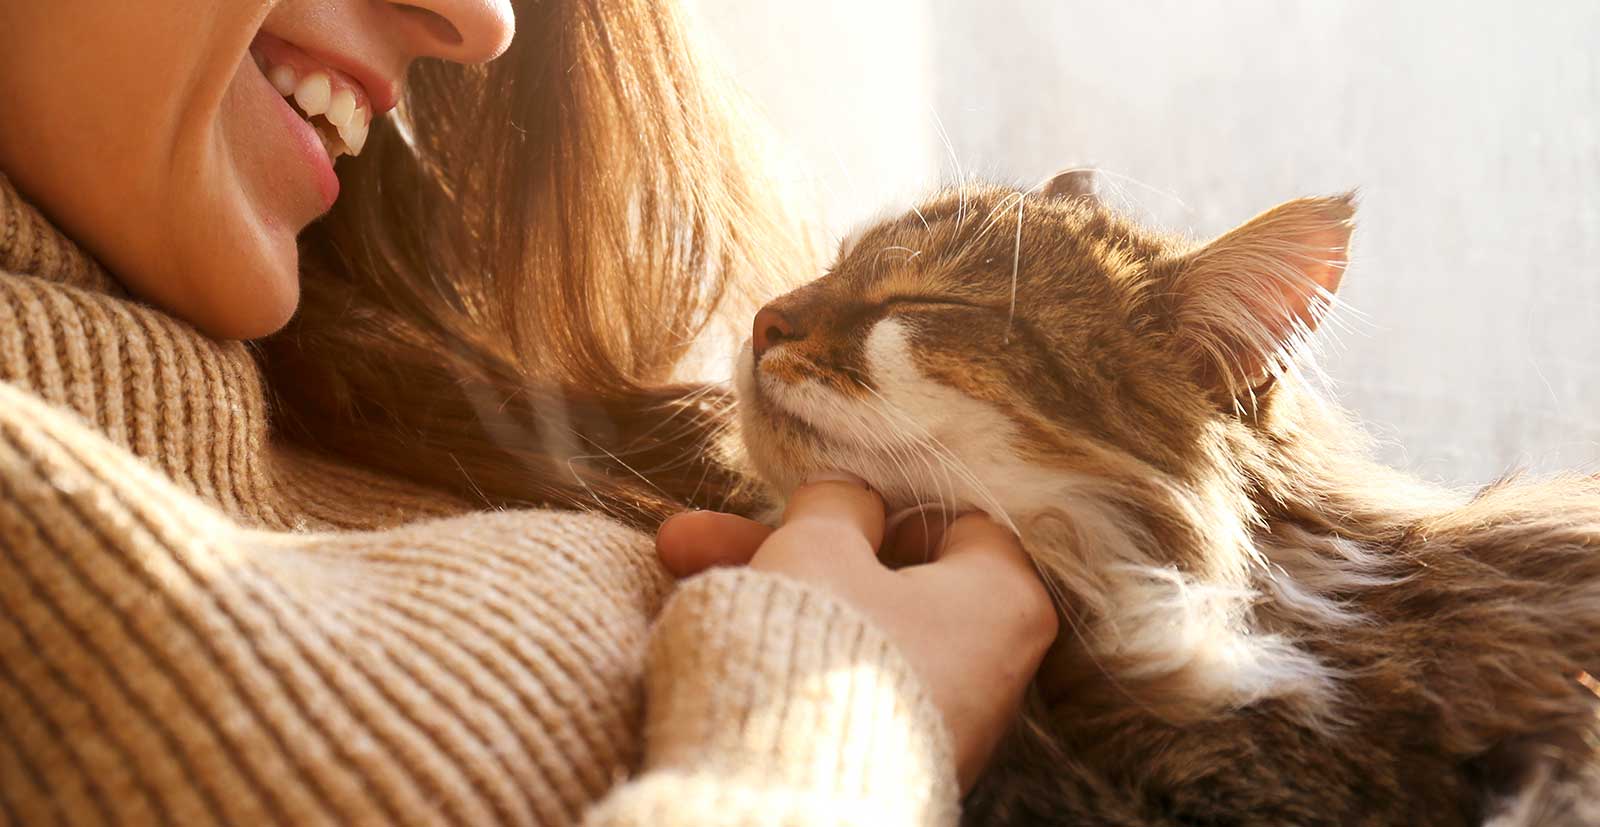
x=1320, y=269
x=1248, y=296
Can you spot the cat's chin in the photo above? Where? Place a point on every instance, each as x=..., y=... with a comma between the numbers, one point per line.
x=792, y=431
x=784, y=457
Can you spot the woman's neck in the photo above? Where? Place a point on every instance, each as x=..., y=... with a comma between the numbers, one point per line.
x=31, y=246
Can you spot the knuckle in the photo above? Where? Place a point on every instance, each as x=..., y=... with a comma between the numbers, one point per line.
x=1037, y=613
x=979, y=531
x=1044, y=623
x=823, y=534
x=813, y=541
x=975, y=523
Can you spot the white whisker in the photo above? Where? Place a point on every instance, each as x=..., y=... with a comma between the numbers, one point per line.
x=947, y=457
x=922, y=218
x=1016, y=267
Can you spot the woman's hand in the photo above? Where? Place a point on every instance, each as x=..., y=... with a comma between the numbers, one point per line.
x=974, y=621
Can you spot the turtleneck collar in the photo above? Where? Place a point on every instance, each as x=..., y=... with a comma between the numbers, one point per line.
x=193, y=407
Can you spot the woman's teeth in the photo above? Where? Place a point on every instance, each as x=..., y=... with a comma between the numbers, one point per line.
x=330, y=107
x=313, y=93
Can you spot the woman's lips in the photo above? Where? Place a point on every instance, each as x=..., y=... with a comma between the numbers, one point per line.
x=335, y=102
x=305, y=144
x=309, y=146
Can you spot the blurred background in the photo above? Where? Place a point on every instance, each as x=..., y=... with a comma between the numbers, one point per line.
x=1472, y=131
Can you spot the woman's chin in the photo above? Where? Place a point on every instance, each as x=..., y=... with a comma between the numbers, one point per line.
x=244, y=304
x=251, y=326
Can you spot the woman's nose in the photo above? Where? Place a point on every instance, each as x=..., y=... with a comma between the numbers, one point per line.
x=464, y=31
x=773, y=327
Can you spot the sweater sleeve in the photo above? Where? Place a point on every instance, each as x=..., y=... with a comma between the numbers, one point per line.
x=767, y=701
x=162, y=664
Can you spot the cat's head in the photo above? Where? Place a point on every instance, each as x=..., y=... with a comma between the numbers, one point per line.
x=1118, y=395
x=990, y=346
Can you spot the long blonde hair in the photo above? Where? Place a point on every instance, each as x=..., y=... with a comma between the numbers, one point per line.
x=500, y=304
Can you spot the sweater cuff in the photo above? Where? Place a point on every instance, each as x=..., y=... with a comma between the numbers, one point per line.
x=769, y=701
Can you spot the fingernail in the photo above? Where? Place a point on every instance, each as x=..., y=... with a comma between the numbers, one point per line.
x=834, y=476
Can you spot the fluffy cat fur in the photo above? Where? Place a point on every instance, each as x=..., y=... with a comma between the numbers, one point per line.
x=1262, y=625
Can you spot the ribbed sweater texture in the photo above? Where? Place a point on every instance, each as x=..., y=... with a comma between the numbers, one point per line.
x=201, y=625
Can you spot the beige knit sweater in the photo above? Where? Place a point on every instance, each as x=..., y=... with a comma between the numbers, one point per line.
x=201, y=625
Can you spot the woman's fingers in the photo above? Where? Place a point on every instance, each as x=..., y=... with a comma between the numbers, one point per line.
x=988, y=624
x=831, y=514
x=694, y=541
x=914, y=536
x=977, y=533
x=980, y=557
x=968, y=611
x=837, y=511
x=928, y=534
x=980, y=554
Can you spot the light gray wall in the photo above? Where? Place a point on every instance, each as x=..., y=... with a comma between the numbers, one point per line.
x=1471, y=129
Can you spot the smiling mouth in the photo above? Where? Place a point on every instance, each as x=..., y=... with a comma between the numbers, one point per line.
x=335, y=105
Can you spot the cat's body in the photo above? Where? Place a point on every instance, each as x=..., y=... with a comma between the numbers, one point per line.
x=1452, y=675
x=1263, y=625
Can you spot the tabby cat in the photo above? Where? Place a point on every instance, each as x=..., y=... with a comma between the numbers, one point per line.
x=1261, y=624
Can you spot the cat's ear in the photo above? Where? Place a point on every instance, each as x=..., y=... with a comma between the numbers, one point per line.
x=1246, y=302
x=1078, y=182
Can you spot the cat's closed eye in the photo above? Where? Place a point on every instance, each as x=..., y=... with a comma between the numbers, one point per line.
x=930, y=301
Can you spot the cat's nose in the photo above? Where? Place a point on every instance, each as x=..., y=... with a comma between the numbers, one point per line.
x=771, y=328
